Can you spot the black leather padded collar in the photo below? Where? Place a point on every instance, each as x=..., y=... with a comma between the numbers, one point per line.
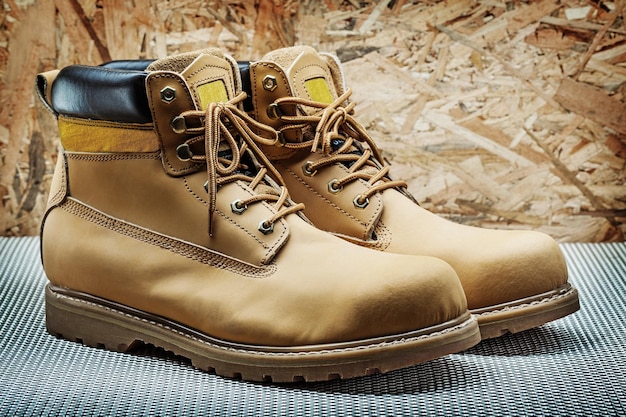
x=101, y=93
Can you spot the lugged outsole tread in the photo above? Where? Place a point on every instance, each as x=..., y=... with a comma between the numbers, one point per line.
x=519, y=317
x=91, y=324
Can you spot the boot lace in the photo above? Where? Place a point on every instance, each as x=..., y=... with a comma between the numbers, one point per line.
x=340, y=137
x=225, y=124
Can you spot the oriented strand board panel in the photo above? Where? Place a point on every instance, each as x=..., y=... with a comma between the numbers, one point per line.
x=498, y=114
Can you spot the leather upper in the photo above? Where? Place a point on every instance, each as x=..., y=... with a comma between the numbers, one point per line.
x=495, y=266
x=130, y=224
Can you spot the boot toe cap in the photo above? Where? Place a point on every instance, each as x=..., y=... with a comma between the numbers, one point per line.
x=425, y=294
x=518, y=264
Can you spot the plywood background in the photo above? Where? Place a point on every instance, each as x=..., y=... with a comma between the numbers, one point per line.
x=504, y=114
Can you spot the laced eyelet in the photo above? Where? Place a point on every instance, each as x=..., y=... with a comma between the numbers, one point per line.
x=265, y=227
x=178, y=124
x=183, y=152
x=360, y=204
x=306, y=168
x=238, y=207
x=333, y=186
x=274, y=112
x=281, y=139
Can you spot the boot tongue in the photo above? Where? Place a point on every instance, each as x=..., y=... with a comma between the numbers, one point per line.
x=208, y=73
x=308, y=73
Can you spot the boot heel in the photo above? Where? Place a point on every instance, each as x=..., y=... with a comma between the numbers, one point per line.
x=85, y=322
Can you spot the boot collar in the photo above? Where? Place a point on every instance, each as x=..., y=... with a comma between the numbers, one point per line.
x=112, y=92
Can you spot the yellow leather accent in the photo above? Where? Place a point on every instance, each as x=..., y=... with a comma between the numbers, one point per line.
x=309, y=66
x=210, y=79
x=212, y=92
x=81, y=135
x=318, y=90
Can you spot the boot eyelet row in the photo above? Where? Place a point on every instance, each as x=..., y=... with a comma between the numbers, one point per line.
x=265, y=227
x=334, y=187
x=306, y=168
x=360, y=204
x=238, y=207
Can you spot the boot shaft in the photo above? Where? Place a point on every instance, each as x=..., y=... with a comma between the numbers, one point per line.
x=121, y=152
x=327, y=159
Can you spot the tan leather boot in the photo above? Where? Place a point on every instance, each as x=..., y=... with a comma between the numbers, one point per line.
x=166, y=225
x=513, y=280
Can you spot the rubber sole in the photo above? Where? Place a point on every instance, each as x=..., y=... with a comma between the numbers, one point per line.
x=100, y=323
x=527, y=313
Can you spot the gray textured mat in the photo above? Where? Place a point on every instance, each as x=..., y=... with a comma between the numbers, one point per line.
x=573, y=367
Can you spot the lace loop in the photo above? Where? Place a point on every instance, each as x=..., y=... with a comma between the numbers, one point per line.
x=225, y=124
x=337, y=135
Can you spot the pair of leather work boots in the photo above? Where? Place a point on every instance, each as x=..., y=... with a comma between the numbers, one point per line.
x=260, y=234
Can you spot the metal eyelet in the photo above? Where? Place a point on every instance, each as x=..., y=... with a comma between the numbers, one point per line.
x=358, y=204
x=183, y=152
x=281, y=139
x=333, y=187
x=237, y=207
x=265, y=227
x=306, y=168
x=274, y=112
x=178, y=124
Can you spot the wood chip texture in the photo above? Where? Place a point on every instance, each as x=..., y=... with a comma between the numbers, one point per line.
x=498, y=114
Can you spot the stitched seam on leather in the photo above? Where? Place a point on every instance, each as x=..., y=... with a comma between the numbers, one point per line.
x=251, y=234
x=330, y=203
x=381, y=244
x=59, y=196
x=106, y=157
x=279, y=241
x=400, y=341
x=285, y=152
x=154, y=117
x=201, y=255
x=104, y=123
x=555, y=297
x=302, y=83
x=314, y=191
x=384, y=237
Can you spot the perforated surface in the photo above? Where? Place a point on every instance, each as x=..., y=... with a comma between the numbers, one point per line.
x=573, y=367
